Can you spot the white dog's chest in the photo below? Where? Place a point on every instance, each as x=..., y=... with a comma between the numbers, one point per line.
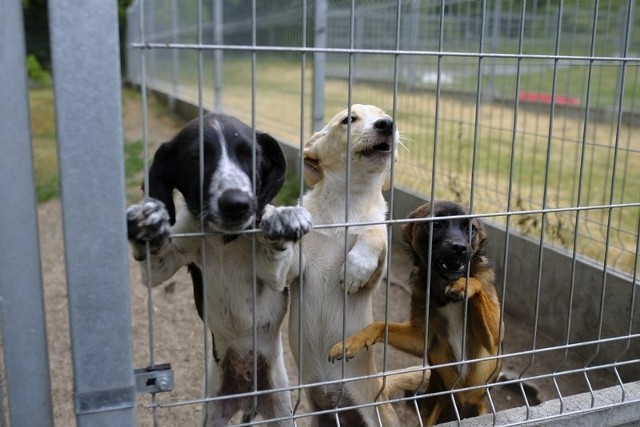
x=232, y=293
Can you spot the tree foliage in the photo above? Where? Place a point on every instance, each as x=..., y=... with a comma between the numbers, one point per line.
x=36, y=26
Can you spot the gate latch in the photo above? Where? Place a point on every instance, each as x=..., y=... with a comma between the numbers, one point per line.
x=154, y=379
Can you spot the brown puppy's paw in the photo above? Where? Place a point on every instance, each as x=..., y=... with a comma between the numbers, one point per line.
x=455, y=291
x=354, y=344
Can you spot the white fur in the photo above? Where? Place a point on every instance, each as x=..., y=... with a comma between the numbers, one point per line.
x=323, y=290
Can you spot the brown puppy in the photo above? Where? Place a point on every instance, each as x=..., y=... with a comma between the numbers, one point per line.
x=456, y=243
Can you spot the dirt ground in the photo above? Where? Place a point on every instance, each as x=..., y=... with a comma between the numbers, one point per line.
x=178, y=332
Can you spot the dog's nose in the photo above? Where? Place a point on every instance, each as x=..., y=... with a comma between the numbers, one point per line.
x=459, y=249
x=384, y=126
x=234, y=203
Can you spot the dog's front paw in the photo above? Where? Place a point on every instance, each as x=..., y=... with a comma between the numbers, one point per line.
x=352, y=347
x=456, y=291
x=148, y=222
x=287, y=223
x=360, y=272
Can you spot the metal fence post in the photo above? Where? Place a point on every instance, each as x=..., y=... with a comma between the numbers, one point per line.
x=133, y=63
x=84, y=38
x=413, y=42
x=624, y=41
x=24, y=340
x=319, y=61
x=490, y=94
x=175, y=60
x=218, y=38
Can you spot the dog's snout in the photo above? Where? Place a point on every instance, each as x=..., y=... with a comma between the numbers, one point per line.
x=459, y=248
x=235, y=203
x=385, y=126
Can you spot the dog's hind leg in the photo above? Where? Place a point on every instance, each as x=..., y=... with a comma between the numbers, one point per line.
x=431, y=409
x=278, y=404
x=218, y=413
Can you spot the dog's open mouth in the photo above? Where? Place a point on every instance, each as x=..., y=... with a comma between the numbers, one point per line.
x=380, y=149
x=383, y=146
x=451, y=267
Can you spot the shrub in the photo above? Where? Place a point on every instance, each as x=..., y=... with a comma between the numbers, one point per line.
x=36, y=73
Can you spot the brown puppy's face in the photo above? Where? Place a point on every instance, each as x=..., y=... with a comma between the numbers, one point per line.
x=373, y=138
x=453, y=243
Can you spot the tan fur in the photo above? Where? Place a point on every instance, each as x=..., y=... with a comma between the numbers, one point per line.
x=325, y=158
x=482, y=336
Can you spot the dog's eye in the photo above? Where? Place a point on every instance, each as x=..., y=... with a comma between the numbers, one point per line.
x=349, y=119
x=437, y=224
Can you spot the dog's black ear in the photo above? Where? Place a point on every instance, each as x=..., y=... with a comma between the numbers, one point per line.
x=272, y=171
x=162, y=178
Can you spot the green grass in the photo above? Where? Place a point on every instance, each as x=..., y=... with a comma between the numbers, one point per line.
x=290, y=192
x=133, y=168
x=45, y=156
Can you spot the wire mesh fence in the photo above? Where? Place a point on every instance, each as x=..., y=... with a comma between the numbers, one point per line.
x=481, y=80
x=524, y=111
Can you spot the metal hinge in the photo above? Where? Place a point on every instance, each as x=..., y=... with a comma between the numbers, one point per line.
x=154, y=379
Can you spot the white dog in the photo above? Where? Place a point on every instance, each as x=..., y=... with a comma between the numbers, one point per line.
x=373, y=140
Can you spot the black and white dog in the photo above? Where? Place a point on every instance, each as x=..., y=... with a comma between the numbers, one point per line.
x=222, y=262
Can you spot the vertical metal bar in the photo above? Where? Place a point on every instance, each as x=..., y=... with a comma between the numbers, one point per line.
x=346, y=204
x=574, y=257
x=218, y=55
x=319, y=63
x=301, y=278
x=474, y=173
x=175, y=66
x=145, y=141
x=396, y=74
x=541, y=245
x=514, y=136
x=432, y=194
x=89, y=130
x=132, y=72
x=254, y=267
x=413, y=41
x=208, y=355
x=24, y=339
x=493, y=63
x=616, y=150
x=625, y=36
x=151, y=35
